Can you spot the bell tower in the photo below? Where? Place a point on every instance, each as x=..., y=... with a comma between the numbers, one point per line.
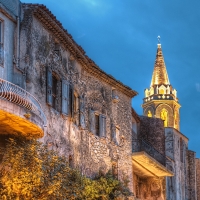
x=161, y=98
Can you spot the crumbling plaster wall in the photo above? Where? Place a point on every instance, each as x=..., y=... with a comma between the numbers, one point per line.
x=89, y=152
x=176, y=150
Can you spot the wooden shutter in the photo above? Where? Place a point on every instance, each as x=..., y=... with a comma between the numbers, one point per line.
x=65, y=97
x=102, y=124
x=81, y=112
x=71, y=101
x=92, y=121
x=49, y=86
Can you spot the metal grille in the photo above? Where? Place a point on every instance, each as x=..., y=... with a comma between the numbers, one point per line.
x=21, y=97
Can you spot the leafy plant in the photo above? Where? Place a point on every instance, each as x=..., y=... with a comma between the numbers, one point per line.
x=29, y=171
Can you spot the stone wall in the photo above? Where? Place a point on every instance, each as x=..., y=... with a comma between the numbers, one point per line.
x=152, y=131
x=198, y=178
x=149, y=187
x=176, y=151
x=71, y=135
x=192, y=195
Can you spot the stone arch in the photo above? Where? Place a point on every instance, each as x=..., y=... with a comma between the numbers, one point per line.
x=170, y=115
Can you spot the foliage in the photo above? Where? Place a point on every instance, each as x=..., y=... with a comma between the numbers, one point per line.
x=29, y=171
x=104, y=187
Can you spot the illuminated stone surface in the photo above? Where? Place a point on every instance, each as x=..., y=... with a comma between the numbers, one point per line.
x=14, y=122
x=145, y=166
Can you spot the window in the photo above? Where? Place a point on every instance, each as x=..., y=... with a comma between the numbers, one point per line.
x=115, y=97
x=161, y=91
x=54, y=91
x=149, y=113
x=55, y=87
x=164, y=116
x=97, y=123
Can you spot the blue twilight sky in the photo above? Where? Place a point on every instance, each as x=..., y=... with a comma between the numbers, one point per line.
x=121, y=37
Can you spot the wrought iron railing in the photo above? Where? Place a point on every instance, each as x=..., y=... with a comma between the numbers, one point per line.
x=142, y=145
x=21, y=97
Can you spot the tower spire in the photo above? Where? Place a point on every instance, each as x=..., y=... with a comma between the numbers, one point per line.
x=160, y=75
x=161, y=98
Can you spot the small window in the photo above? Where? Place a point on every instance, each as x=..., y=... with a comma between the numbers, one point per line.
x=161, y=91
x=164, y=116
x=149, y=113
x=115, y=97
x=97, y=124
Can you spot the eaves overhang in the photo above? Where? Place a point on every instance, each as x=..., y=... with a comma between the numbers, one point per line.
x=44, y=15
x=146, y=166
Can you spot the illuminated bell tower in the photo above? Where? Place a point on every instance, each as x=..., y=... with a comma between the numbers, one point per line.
x=161, y=99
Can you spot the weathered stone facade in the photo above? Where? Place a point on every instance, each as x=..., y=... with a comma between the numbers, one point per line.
x=72, y=133
x=149, y=159
x=198, y=177
x=176, y=152
x=85, y=114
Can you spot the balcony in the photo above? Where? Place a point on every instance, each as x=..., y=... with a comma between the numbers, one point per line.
x=20, y=112
x=147, y=161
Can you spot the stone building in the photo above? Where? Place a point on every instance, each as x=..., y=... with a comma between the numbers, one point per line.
x=51, y=90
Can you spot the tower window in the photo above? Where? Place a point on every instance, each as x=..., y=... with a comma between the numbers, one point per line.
x=164, y=116
x=149, y=113
x=161, y=91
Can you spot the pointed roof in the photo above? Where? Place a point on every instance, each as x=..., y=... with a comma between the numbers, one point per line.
x=160, y=75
